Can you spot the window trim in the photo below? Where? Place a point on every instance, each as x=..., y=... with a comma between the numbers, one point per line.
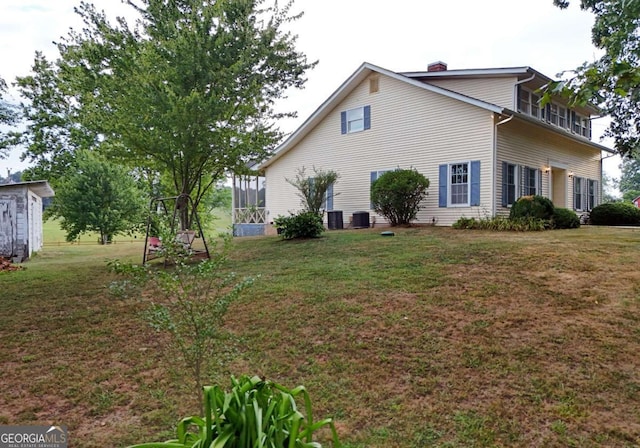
x=450, y=184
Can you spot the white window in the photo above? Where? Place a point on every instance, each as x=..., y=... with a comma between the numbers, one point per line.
x=586, y=128
x=592, y=193
x=459, y=184
x=510, y=181
x=535, y=105
x=562, y=117
x=531, y=181
x=355, y=120
x=553, y=114
x=525, y=102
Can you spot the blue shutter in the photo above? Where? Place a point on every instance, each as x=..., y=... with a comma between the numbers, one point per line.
x=442, y=185
x=343, y=122
x=539, y=186
x=475, y=183
x=329, y=199
x=505, y=190
x=367, y=117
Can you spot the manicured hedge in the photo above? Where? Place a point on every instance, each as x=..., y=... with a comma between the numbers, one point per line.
x=563, y=218
x=615, y=214
x=532, y=207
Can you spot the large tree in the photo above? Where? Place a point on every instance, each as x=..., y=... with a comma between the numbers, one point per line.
x=188, y=91
x=613, y=80
x=52, y=134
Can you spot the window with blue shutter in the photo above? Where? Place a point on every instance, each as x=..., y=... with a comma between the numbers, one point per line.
x=459, y=184
x=355, y=120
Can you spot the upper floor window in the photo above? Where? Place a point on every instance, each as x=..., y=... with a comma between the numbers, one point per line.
x=553, y=113
x=355, y=120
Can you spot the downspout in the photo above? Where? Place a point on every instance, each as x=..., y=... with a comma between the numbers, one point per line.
x=495, y=163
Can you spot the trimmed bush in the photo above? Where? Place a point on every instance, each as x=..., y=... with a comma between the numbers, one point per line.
x=500, y=223
x=397, y=194
x=615, y=214
x=563, y=218
x=532, y=207
x=300, y=225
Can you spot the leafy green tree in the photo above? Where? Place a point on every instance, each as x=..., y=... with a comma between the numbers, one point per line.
x=98, y=196
x=613, y=80
x=313, y=189
x=8, y=117
x=397, y=195
x=629, y=184
x=52, y=135
x=609, y=186
x=188, y=91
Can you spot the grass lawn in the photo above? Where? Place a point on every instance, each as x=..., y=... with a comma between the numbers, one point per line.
x=54, y=235
x=431, y=338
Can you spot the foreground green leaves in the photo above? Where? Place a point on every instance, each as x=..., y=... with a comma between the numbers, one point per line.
x=256, y=413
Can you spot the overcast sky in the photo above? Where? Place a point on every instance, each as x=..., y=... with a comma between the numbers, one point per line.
x=401, y=35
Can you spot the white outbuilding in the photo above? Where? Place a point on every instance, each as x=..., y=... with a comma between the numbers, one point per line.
x=21, y=218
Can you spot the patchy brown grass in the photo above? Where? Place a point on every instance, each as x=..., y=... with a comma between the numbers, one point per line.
x=432, y=338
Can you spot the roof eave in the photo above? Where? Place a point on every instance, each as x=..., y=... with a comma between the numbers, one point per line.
x=345, y=88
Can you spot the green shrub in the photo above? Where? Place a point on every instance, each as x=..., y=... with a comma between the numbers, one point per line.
x=397, y=194
x=563, y=218
x=615, y=214
x=300, y=225
x=255, y=413
x=532, y=207
x=500, y=223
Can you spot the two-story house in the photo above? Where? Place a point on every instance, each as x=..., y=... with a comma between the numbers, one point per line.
x=480, y=136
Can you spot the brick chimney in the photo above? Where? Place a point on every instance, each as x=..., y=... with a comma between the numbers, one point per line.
x=438, y=66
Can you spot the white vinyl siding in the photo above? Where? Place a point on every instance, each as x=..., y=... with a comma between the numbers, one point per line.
x=498, y=91
x=413, y=128
x=532, y=146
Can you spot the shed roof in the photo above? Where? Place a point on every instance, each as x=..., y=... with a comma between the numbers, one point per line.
x=39, y=187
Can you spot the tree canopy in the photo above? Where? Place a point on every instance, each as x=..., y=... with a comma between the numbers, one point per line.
x=629, y=184
x=8, y=117
x=187, y=92
x=612, y=81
